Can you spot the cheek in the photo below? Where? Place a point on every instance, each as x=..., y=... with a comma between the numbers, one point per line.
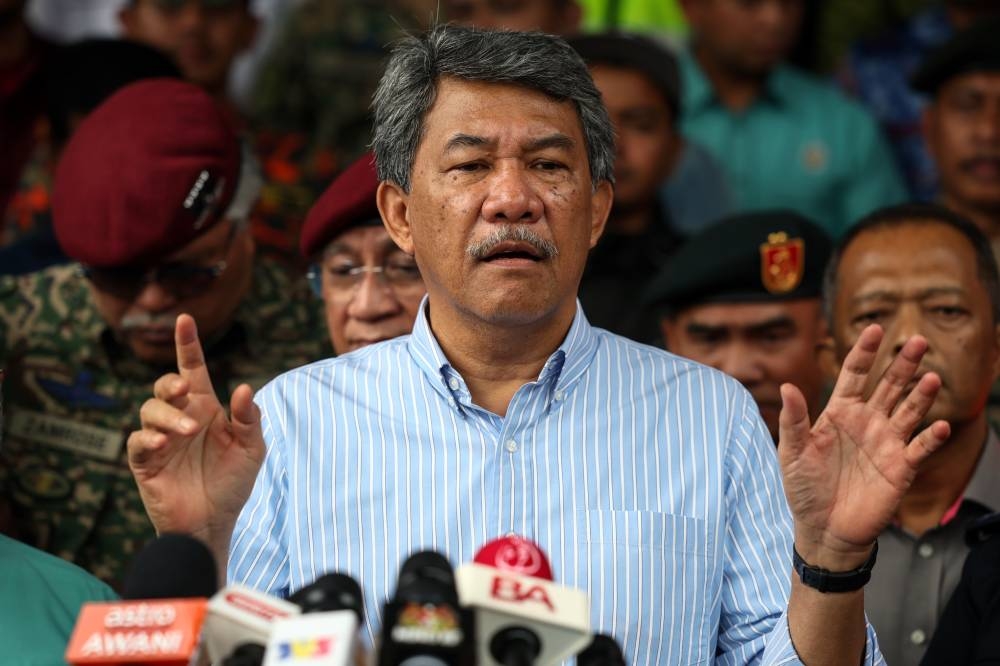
x=336, y=319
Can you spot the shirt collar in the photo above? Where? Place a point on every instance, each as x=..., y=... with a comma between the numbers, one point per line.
x=561, y=371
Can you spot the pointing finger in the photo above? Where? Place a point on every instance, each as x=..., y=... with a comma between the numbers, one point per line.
x=190, y=357
x=793, y=422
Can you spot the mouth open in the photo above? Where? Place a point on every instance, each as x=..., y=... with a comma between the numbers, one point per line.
x=513, y=252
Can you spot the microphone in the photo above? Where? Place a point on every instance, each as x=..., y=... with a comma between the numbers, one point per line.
x=424, y=625
x=603, y=651
x=171, y=566
x=522, y=617
x=326, y=634
x=153, y=623
x=241, y=617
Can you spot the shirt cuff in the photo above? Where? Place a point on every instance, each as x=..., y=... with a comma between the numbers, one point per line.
x=778, y=650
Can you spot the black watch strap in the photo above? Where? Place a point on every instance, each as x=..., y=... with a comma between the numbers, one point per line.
x=834, y=581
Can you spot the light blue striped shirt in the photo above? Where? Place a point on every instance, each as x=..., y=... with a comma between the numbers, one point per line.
x=650, y=481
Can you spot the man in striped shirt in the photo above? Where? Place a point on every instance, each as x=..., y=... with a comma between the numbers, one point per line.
x=651, y=479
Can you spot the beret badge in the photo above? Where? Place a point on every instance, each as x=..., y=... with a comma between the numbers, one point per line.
x=782, y=262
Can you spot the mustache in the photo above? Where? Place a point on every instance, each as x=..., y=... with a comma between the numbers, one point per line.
x=481, y=249
x=145, y=320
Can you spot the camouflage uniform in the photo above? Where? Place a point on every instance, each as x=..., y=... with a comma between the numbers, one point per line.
x=72, y=395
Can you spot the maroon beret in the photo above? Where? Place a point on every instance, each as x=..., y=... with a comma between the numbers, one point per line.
x=145, y=173
x=350, y=200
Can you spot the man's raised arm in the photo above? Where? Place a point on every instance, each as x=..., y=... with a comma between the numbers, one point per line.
x=195, y=467
x=844, y=477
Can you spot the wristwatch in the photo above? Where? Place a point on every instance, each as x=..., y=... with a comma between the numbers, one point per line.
x=834, y=581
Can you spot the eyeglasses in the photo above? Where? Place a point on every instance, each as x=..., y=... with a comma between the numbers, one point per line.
x=181, y=279
x=347, y=276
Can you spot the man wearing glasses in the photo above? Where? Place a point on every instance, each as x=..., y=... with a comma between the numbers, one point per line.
x=150, y=199
x=371, y=289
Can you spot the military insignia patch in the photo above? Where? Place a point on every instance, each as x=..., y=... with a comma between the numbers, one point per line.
x=43, y=483
x=782, y=263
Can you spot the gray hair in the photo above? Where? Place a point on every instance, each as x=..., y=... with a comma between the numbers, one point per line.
x=534, y=60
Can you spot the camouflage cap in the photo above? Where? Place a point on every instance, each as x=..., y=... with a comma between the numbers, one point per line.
x=349, y=201
x=763, y=256
x=150, y=169
x=975, y=49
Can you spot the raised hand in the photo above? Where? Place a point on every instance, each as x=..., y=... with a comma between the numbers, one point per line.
x=845, y=475
x=195, y=467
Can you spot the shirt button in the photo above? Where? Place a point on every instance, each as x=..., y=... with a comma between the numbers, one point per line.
x=917, y=637
x=925, y=550
x=558, y=395
x=511, y=535
x=511, y=446
x=453, y=384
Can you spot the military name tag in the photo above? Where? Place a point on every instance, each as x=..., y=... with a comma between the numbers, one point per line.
x=66, y=434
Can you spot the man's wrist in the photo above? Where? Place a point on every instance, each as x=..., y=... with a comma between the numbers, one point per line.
x=831, y=554
x=824, y=580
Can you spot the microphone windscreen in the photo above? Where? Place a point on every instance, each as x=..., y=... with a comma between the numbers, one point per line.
x=517, y=554
x=331, y=592
x=603, y=651
x=171, y=566
x=427, y=573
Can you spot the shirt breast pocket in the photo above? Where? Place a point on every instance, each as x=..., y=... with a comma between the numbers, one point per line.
x=647, y=575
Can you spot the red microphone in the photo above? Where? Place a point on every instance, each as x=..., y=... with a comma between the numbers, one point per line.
x=523, y=618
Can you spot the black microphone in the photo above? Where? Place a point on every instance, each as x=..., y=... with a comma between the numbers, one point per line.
x=331, y=592
x=603, y=651
x=171, y=566
x=424, y=625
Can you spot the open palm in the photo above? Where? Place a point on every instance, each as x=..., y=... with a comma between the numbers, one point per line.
x=846, y=474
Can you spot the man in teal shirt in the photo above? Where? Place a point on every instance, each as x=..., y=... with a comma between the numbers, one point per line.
x=784, y=138
x=42, y=597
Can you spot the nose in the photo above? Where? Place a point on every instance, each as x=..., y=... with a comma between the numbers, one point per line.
x=373, y=299
x=512, y=197
x=904, y=326
x=740, y=363
x=154, y=298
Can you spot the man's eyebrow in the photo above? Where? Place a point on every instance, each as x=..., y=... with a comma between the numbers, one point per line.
x=466, y=141
x=893, y=296
x=558, y=140
x=697, y=328
x=780, y=321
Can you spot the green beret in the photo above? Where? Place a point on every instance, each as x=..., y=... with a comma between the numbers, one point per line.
x=764, y=256
x=975, y=49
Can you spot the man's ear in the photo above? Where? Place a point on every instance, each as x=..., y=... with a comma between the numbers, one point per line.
x=600, y=208
x=393, y=206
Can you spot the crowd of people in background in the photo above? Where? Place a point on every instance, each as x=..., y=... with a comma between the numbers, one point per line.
x=785, y=174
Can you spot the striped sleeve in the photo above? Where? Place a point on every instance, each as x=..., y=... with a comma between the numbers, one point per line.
x=258, y=554
x=757, y=536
